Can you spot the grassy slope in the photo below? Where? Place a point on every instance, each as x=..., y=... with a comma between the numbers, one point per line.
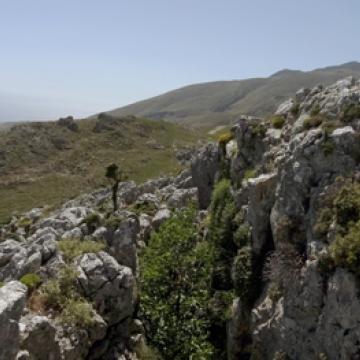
x=215, y=103
x=35, y=172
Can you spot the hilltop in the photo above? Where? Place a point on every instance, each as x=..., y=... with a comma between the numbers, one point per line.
x=217, y=103
x=49, y=162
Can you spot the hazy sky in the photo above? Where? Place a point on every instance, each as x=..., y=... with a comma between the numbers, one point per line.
x=60, y=57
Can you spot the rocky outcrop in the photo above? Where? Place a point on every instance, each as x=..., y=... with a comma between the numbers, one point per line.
x=204, y=168
x=12, y=302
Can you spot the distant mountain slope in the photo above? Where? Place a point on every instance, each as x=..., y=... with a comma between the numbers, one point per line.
x=216, y=103
x=46, y=163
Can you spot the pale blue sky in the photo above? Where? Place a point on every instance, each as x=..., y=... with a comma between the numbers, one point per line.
x=78, y=57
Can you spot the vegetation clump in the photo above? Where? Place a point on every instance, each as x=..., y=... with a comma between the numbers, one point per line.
x=72, y=248
x=277, y=121
x=258, y=130
x=313, y=121
x=92, y=221
x=31, y=281
x=250, y=173
x=328, y=147
x=225, y=138
x=295, y=109
x=175, y=289
x=77, y=312
x=351, y=112
x=315, y=110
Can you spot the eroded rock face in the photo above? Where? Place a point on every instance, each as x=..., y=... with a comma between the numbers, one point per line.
x=110, y=286
x=12, y=302
x=204, y=168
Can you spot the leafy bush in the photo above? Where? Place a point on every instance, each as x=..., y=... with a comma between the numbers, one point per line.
x=73, y=248
x=351, y=112
x=31, y=281
x=345, y=250
x=277, y=121
x=77, y=312
x=242, y=235
x=113, y=222
x=323, y=222
x=258, y=130
x=174, y=283
x=347, y=205
x=243, y=275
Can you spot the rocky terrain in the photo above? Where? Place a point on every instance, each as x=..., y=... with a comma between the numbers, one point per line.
x=278, y=202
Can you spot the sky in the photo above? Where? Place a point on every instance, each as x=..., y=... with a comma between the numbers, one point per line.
x=79, y=57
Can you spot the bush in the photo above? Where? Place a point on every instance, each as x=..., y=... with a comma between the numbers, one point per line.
x=250, y=173
x=328, y=147
x=242, y=235
x=345, y=250
x=295, y=109
x=315, y=110
x=73, y=248
x=174, y=283
x=258, y=130
x=225, y=138
x=1, y=284
x=277, y=121
x=31, y=281
x=57, y=291
x=323, y=222
x=351, y=112
x=77, y=312
x=92, y=221
x=313, y=121
x=347, y=205
x=243, y=275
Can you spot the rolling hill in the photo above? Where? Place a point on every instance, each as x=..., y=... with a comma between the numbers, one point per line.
x=46, y=163
x=220, y=102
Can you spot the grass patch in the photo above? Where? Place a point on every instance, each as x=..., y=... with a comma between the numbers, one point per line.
x=277, y=121
x=72, y=248
x=77, y=312
x=351, y=112
x=31, y=281
x=250, y=173
x=313, y=121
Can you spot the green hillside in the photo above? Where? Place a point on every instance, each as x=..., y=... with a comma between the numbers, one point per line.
x=215, y=103
x=45, y=163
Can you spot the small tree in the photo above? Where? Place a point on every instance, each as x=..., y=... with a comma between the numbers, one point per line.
x=116, y=175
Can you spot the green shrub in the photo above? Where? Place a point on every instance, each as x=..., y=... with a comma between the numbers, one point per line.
x=345, y=250
x=242, y=235
x=146, y=352
x=57, y=291
x=295, y=109
x=1, y=284
x=277, y=121
x=315, y=110
x=323, y=222
x=225, y=138
x=31, y=281
x=174, y=283
x=351, y=112
x=73, y=248
x=92, y=221
x=250, y=173
x=347, y=205
x=313, y=121
x=147, y=207
x=113, y=222
x=77, y=312
x=328, y=147
x=243, y=276
x=258, y=130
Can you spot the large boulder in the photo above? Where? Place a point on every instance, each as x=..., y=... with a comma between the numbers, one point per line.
x=12, y=302
x=110, y=286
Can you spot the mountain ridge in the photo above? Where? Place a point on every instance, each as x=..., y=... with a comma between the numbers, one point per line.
x=215, y=103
